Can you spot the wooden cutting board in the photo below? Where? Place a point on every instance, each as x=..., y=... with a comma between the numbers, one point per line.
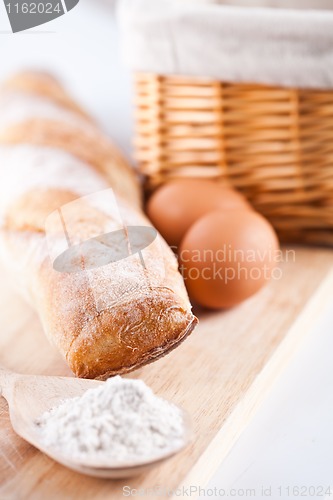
x=220, y=375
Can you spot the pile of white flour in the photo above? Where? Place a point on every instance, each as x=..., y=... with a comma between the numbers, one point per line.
x=119, y=421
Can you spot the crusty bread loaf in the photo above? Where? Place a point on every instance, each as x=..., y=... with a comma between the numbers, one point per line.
x=63, y=186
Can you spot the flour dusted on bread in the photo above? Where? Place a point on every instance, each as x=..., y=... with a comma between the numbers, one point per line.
x=17, y=107
x=29, y=166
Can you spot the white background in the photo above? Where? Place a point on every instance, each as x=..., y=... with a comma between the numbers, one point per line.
x=80, y=47
x=290, y=441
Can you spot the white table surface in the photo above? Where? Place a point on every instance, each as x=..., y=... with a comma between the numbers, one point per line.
x=290, y=441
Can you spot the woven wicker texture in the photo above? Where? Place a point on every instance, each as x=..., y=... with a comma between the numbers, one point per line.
x=273, y=144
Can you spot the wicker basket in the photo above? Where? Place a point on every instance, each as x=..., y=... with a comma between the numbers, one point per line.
x=273, y=144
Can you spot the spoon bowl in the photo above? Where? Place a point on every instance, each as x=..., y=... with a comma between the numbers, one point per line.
x=29, y=396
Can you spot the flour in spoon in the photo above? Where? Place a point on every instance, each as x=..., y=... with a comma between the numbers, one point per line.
x=119, y=421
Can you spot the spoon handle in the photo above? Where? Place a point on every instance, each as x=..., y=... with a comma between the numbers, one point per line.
x=6, y=379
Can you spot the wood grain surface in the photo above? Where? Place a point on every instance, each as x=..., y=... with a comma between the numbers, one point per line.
x=214, y=375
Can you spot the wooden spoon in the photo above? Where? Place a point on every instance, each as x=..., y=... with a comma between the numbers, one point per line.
x=29, y=396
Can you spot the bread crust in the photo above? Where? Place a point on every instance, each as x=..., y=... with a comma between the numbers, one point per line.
x=107, y=319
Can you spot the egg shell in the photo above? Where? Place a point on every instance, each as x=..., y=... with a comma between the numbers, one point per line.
x=226, y=257
x=175, y=206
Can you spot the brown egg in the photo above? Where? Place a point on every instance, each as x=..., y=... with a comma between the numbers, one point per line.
x=226, y=257
x=175, y=206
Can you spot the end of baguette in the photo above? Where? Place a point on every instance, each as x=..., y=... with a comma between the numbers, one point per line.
x=135, y=333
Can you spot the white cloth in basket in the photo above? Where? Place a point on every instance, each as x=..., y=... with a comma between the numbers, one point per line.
x=237, y=44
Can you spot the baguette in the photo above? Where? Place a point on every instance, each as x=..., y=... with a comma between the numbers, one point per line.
x=70, y=209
